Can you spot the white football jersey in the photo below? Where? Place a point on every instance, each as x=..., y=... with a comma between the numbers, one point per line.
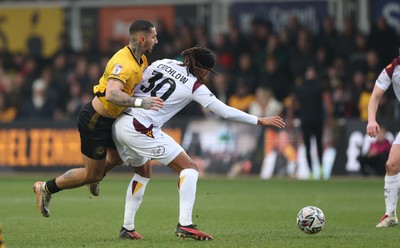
x=171, y=82
x=390, y=75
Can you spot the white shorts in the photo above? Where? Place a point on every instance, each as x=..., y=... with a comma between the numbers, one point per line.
x=136, y=148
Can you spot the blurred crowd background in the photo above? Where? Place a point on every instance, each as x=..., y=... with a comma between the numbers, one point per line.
x=257, y=70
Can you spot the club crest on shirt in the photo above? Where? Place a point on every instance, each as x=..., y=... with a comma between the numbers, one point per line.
x=117, y=69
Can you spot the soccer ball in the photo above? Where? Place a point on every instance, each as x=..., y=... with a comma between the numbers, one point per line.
x=310, y=219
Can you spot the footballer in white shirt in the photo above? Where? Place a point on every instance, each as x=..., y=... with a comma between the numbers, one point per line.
x=138, y=136
x=389, y=76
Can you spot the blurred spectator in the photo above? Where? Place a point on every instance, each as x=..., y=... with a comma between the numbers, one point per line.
x=39, y=106
x=339, y=103
x=219, y=85
x=258, y=39
x=80, y=72
x=93, y=74
x=334, y=79
x=237, y=43
x=345, y=43
x=383, y=39
x=265, y=104
x=64, y=46
x=12, y=62
x=302, y=54
x=321, y=63
x=314, y=108
x=242, y=98
x=245, y=73
x=293, y=28
x=185, y=35
x=358, y=57
x=29, y=72
x=364, y=98
x=224, y=55
x=201, y=37
x=60, y=73
x=355, y=90
x=166, y=38
x=373, y=65
x=89, y=50
x=277, y=50
x=7, y=113
x=75, y=101
x=373, y=163
x=13, y=92
x=278, y=81
x=327, y=37
x=341, y=71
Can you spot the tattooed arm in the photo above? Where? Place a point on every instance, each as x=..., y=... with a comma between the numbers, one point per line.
x=114, y=94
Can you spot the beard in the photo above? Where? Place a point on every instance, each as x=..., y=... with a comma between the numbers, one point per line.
x=148, y=51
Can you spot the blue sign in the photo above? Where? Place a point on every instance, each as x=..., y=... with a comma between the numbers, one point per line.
x=390, y=9
x=309, y=13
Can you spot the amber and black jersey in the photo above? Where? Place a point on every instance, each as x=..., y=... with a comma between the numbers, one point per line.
x=123, y=66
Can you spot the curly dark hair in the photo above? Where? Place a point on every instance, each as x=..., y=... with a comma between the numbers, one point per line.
x=198, y=57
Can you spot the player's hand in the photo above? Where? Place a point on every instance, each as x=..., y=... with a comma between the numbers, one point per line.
x=153, y=103
x=276, y=121
x=372, y=129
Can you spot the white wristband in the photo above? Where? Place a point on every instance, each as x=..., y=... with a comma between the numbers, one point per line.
x=138, y=102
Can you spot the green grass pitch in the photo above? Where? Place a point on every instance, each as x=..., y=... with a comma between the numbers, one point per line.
x=246, y=212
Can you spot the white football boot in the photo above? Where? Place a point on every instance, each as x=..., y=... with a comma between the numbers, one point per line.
x=388, y=221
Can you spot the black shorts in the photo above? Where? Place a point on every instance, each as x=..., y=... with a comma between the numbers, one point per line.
x=95, y=131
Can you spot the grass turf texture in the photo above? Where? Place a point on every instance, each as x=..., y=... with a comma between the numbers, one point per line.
x=238, y=213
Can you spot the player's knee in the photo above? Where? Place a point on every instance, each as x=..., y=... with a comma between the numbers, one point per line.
x=391, y=167
x=144, y=171
x=193, y=165
x=114, y=162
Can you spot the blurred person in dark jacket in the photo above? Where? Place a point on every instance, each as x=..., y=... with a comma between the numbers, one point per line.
x=314, y=107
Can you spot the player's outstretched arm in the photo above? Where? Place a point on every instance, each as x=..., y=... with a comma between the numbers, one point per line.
x=234, y=114
x=276, y=121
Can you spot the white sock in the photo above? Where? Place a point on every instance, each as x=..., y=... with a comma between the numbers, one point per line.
x=391, y=193
x=187, y=195
x=134, y=196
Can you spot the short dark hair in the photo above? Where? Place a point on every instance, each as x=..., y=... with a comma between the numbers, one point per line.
x=140, y=26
